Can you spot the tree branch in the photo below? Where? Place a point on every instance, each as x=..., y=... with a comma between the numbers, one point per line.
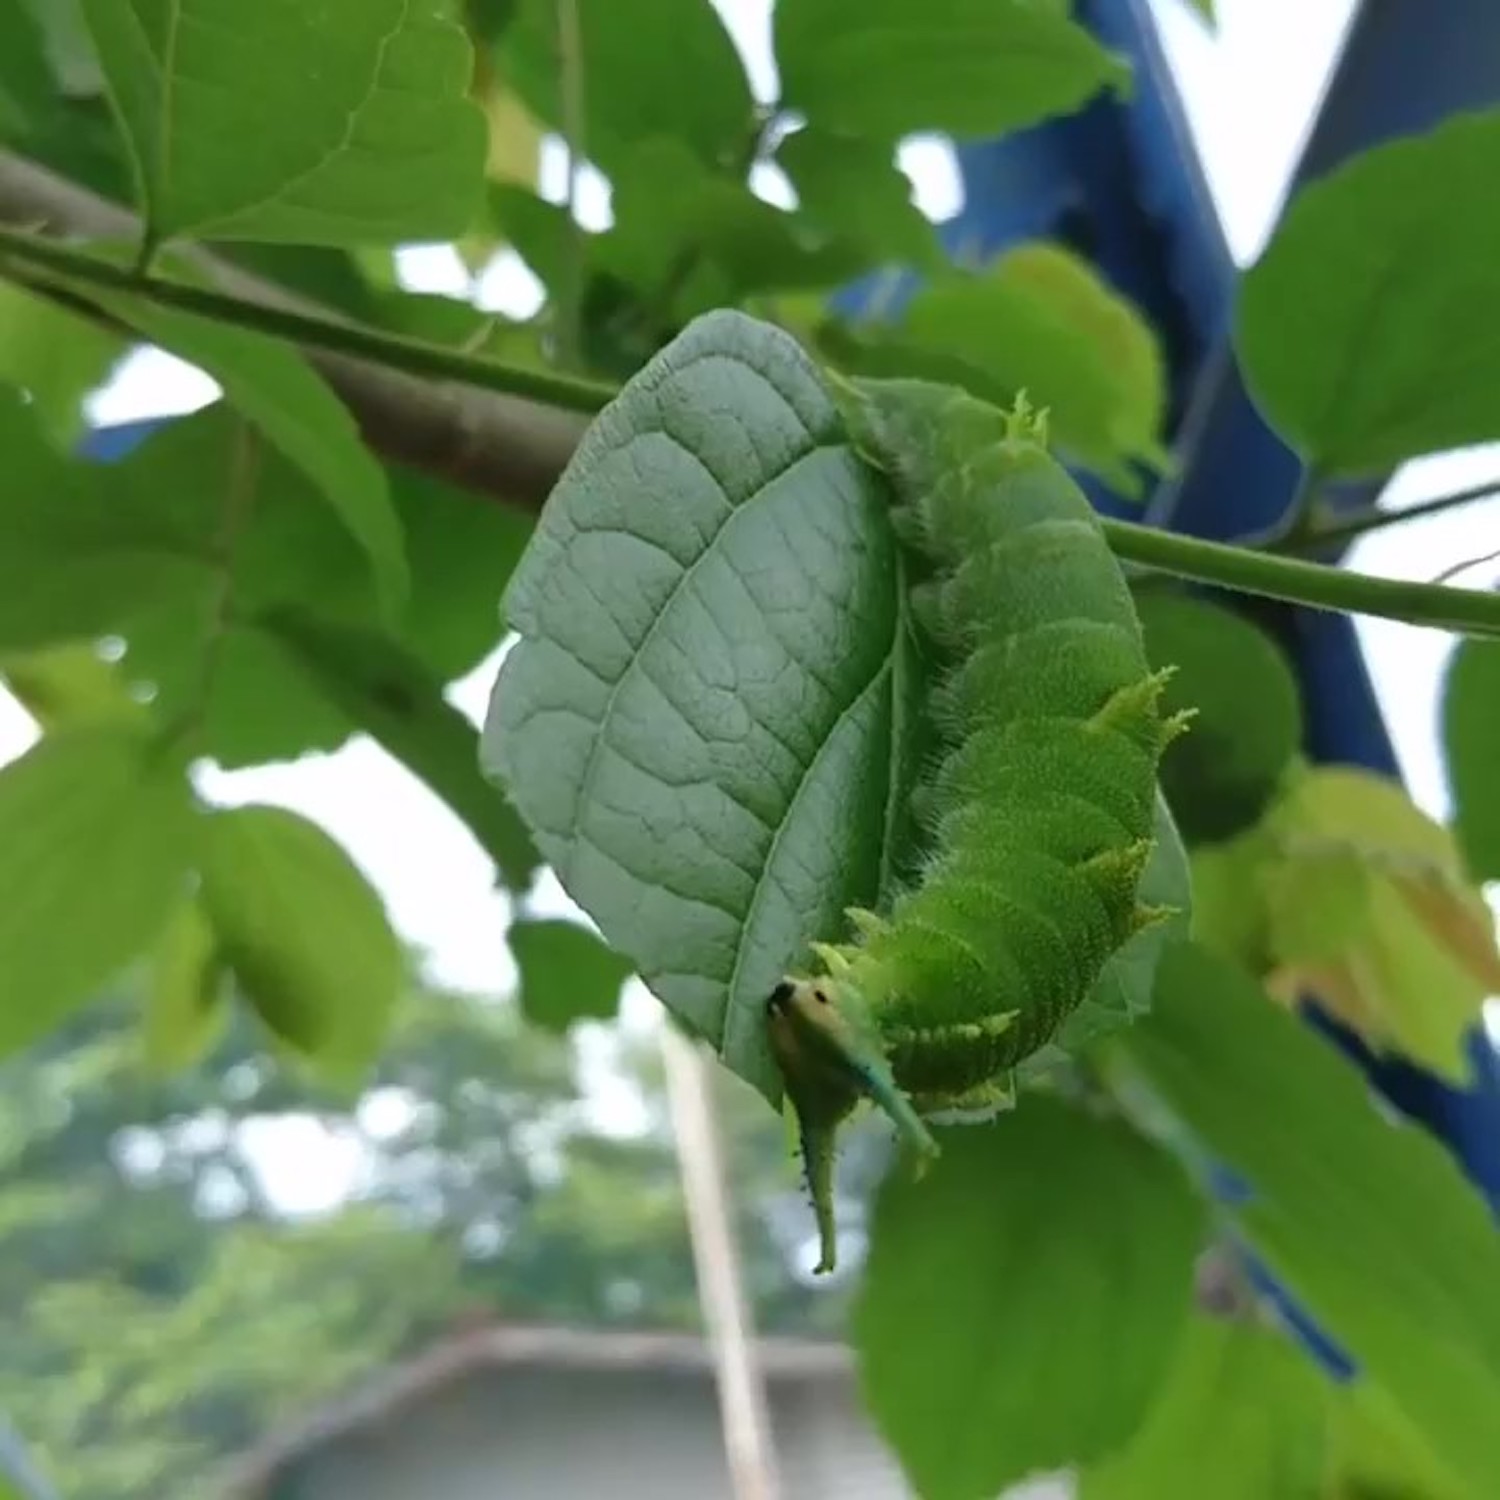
x=505, y=447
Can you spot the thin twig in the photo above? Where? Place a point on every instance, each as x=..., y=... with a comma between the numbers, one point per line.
x=1363, y=522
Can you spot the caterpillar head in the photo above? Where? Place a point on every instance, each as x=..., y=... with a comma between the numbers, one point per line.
x=830, y=1058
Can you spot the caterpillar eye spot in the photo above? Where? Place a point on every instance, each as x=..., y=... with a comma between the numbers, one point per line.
x=820, y=996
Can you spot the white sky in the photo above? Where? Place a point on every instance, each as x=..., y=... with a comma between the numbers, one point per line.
x=1250, y=92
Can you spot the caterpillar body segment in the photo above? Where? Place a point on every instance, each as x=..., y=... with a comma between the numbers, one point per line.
x=1039, y=805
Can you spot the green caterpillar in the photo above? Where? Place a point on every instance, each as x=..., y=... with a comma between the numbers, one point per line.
x=1038, y=809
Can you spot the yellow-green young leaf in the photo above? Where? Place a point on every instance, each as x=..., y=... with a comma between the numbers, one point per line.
x=1374, y=1451
x=54, y=355
x=295, y=411
x=971, y=68
x=1229, y=908
x=71, y=684
x=1369, y=1223
x=304, y=933
x=1369, y=910
x=97, y=833
x=1039, y=319
x=1373, y=292
x=567, y=974
x=1023, y=1298
x=1471, y=738
x=1242, y=1416
x=186, y=1001
x=1247, y=724
x=339, y=123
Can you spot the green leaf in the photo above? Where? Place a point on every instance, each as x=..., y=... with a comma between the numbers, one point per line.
x=664, y=69
x=304, y=933
x=539, y=232
x=671, y=212
x=1039, y=319
x=97, y=827
x=75, y=564
x=26, y=88
x=1471, y=741
x=1241, y=1417
x=71, y=684
x=853, y=188
x=462, y=553
x=186, y=1004
x=1223, y=772
x=1368, y=910
x=333, y=124
x=297, y=413
x=703, y=720
x=1368, y=1223
x=1374, y=291
x=396, y=700
x=567, y=974
x=55, y=356
x=1023, y=1299
x=971, y=68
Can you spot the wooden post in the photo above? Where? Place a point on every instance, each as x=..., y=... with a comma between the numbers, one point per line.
x=748, y=1441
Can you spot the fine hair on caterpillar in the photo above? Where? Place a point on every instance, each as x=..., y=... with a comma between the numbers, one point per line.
x=1039, y=801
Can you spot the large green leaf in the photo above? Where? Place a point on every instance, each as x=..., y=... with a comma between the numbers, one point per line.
x=969, y=67
x=1471, y=739
x=651, y=68
x=97, y=828
x=304, y=933
x=1023, y=1299
x=1369, y=1223
x=1364, y=328
x=1247, y=724
x=338, y=123
x=389, y=694
x=704, y=718
x=1242, y=1417
x=567, y=974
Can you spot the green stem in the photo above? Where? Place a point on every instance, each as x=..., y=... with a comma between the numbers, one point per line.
x=335, y=336
x=1361, y=523
x=1468, y=611
x=570, y=88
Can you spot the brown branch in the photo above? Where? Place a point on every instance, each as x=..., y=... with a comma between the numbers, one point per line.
x=503, y=447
